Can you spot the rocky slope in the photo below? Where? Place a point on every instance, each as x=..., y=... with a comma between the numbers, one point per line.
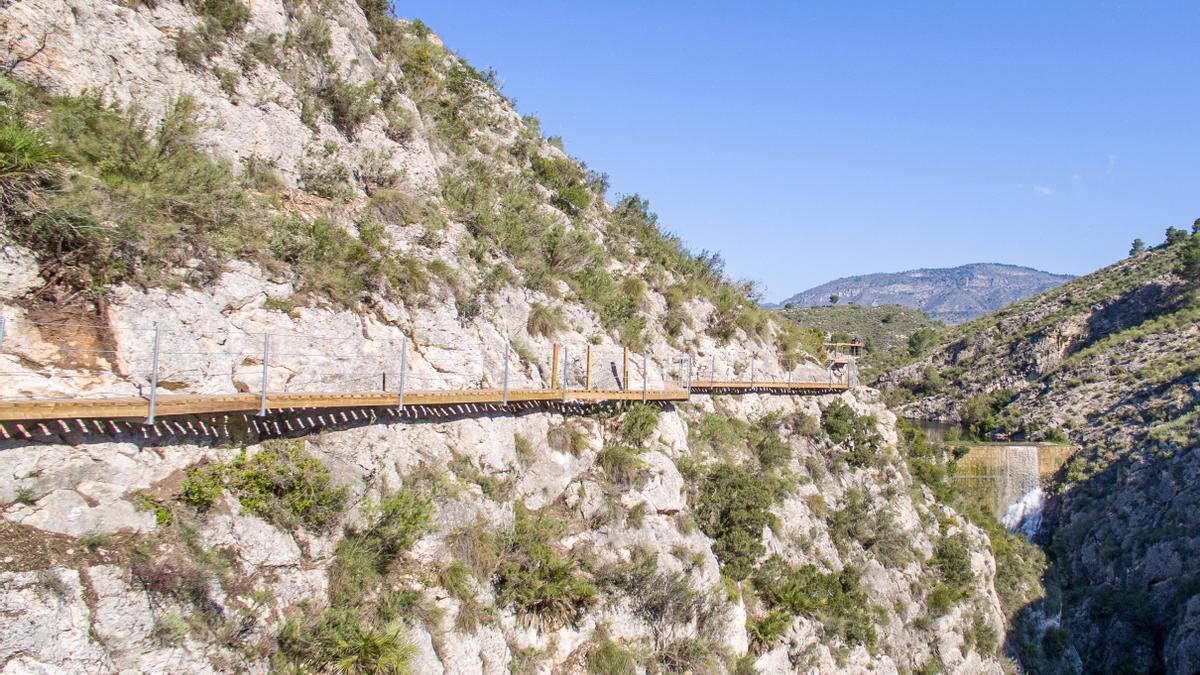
x=1112, y=362
x=335, y=179
x=951, y=295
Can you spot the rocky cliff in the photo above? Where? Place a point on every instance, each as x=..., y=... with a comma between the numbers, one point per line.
x=312, y=193
x=1111, y=362
x=952, y=295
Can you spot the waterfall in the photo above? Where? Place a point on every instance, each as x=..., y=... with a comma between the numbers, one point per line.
x=1022, y=490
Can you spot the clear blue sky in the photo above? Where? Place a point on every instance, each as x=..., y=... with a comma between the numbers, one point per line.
x=807, y=141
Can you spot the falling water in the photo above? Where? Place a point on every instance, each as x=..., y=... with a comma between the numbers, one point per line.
x=1022, y=490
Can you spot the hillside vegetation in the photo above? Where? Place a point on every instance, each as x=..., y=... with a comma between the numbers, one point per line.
x=887, y=331
x=1110, y=361
x=102, y=196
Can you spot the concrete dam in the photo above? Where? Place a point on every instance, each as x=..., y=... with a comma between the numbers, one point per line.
x=1008, y=477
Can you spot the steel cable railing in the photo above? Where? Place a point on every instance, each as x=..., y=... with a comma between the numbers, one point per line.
x=298, y=362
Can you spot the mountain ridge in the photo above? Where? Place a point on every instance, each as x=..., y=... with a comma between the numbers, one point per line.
x=949, y=294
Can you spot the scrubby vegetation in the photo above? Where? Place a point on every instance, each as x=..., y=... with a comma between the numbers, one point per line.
x=735, y=508
x=837, y=600
x=886, y=331
x=544, y=586
x=362, y=628
x=281, y=483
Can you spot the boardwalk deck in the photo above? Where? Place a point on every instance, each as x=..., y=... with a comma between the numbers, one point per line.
x=167, y=405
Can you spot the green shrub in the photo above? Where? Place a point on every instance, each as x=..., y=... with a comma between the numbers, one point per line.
x=858, y=432
x=523, y=447
x=835, y=598
x=366, y=553
x=921, y=340
x=638, y=424
x=609, y=658
x=544, y=321
x=535, y=579
x=25, y=155
x=838, y=421
x=666, y=601
x=312, y=36
x=477, y=546
x=349, y=104
x=567, y=437
x=1189, y=261
x=770, y=449
x=953, y=559
x=203, y=485
x=765, y=631
x=804, y=424
x=733, y=510
x=281, y=483
x=285, y=485
x=171, y=628
x=565, y=179
x=221, y=16
x=623, y=465
x=340, y=640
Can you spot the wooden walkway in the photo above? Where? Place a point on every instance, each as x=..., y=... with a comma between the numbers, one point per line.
x=171, y=405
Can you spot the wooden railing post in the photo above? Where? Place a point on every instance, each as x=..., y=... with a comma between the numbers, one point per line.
x=625, y=370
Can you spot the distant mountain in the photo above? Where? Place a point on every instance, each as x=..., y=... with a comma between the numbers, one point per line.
x=952, y=295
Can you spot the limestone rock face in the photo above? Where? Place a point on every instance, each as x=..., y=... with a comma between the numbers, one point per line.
x=44, y=624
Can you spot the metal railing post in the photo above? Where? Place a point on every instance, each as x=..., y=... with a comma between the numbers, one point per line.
x=751, y=374
x=712, y=378
x=507, y=350
x=789, y=374
x=689, y=376
x=403, y=368
x=645, y=374
x=153, y=378
x=566, y=361
x=587, y=381
x=262, y=401
x=1, y=332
